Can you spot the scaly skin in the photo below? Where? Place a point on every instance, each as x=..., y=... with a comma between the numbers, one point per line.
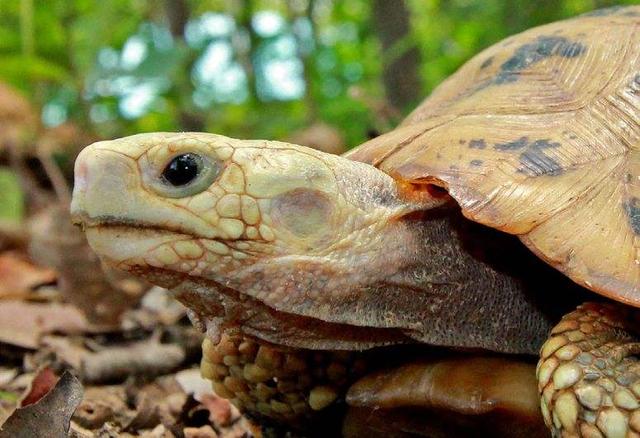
x=289, y=386
x=587, y=376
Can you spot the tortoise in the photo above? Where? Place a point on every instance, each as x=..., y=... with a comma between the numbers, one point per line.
x=417, y=252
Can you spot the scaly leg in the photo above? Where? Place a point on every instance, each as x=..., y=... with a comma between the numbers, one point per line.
x=588, y=377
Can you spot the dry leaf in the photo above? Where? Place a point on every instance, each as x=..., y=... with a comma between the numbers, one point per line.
x=49, y=417
x=23, y=323
x=40, y=386
x=19, y=277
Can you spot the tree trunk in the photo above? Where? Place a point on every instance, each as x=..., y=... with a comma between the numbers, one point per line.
x=400, y=74
x=177, y=13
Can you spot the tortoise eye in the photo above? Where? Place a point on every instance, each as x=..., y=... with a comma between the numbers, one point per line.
x=186, y=175
x=183, y=169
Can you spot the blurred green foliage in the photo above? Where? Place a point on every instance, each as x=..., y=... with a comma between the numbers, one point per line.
x=11, y=198
x=244, y=68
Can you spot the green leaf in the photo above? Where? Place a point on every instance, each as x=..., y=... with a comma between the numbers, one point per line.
x=11, y=197
x=8, y=396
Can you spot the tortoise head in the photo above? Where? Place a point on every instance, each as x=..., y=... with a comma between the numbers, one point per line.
x=283, y=225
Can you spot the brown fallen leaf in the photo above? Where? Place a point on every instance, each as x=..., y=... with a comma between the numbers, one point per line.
x=23, y=323
x=42, y=383
x=102, y=294
x=102, y=404
x=19, y=277
x=50, y=416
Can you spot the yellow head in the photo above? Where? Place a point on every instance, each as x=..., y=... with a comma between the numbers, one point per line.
x=245, y=223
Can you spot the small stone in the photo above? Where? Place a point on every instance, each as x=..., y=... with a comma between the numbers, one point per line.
x=566, y=375
x=612, y=423
x=623, y=398
x=321, y=396
x=589, y=396
x=566, y=408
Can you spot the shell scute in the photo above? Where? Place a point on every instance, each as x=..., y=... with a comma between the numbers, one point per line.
x=539, y=136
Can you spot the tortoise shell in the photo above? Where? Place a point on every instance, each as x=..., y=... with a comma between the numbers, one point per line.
x=539, y=136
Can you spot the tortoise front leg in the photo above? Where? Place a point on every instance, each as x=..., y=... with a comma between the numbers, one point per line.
x=588, y=378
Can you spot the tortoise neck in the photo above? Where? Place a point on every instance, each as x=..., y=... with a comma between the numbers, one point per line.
x=476, y=287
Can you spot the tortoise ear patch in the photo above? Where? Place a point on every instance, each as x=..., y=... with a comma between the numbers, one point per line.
x=304, y=212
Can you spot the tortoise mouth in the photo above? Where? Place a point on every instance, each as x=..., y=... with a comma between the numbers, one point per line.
x=86, y=221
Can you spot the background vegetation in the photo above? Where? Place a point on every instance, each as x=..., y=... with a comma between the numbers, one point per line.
x=248, y=68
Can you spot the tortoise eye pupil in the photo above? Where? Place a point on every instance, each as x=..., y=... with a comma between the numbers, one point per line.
x=182, y=169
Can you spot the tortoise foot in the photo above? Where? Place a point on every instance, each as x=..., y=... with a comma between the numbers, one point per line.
x=588, y=376
x=291, y=387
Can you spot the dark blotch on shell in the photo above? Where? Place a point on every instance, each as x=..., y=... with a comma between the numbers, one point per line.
x=512, y=145
x=535, y=163
x=528, y=54
x=487, y=62
x=632, y=208
x=476, y=162
x=533, y=160
x=477, y=144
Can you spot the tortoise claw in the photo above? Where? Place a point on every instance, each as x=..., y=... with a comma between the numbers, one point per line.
x=588, y=377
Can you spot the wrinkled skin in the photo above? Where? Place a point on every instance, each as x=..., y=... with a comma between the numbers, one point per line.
x=279, y=250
